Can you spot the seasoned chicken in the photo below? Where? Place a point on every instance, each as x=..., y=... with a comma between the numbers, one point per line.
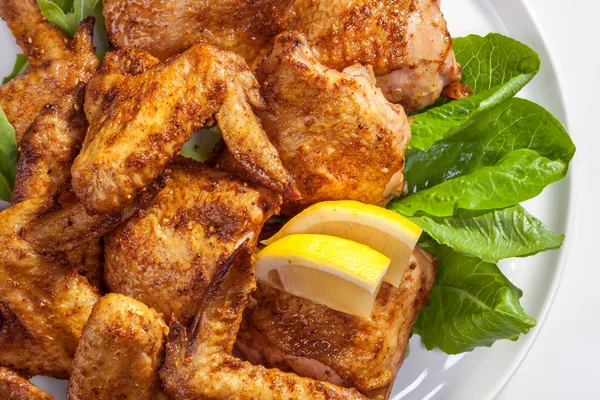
x=405, y=41
x=201, y=366
x=167, y=28
x=57, y=64
x=45, y=303
x=120, y=351
x=294, y=334
x=14, y=387
x=167, y=254
x=146, y=119
x=48, y=150
x=335, y=132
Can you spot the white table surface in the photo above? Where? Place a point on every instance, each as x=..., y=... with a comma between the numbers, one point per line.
x=564, y=362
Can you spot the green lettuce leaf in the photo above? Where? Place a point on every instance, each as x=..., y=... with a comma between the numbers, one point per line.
x=8, y=157
x=21, y=64
x=495, y=67
x=491, y=235
x=56, y=12
x=472, y=304
x=201, y=144
x=516, y=124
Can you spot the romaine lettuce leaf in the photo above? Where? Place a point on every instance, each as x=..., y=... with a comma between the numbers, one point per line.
x=67, y=14
x=491, y=234
x=21, y=64
x=8, y=157
x=472, y=304
x=495, y=67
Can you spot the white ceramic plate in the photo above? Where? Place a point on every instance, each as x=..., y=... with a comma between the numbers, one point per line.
x=483, y=373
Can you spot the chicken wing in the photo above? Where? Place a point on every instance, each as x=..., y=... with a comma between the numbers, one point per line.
x=57, y=64
x=312, y=340
x=335, y=132
x=14, y=387
x=48, y=150
x=203, y=367
x=406, y=42
x=167, y=254
x=147, y=118
x=45, y=303
x=120, y=351
x=167, y=28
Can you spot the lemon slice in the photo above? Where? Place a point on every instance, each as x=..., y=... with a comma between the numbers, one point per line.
x=383, y=230
x=332, y=271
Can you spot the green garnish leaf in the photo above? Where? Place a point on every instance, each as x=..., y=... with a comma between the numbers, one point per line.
x=472, y=304
x=56, y=12
x=491, y=234
x=8, y=157
x=495, y=67
x=201, y=145
x=21, y=64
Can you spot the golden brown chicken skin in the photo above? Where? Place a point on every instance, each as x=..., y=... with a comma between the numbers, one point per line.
x=45, y=303
x=293, y=334
x=120, y=351
x=200, y=366
x=405, y=41
x=167, y=254
x=15, y=387
x=167, y=28
x=58, y=65
x=146, y=119
x=335, y=132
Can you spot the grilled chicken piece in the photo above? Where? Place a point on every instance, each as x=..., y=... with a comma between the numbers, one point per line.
x=294, y=334
x=406, y=42
x=146, y=119
x=335, y=132
x=14, y=387
x=48, y=150
x=45, y=303
x=167, y=254
x=120, y=351
x=167, y=28
x=202, y=367
x=57, y=64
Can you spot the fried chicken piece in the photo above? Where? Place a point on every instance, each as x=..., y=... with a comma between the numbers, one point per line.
x=48, y=150
x=45, y=303
x=120, y=351
x=406, y=41
x=14, y=387
x=294, y=334
x=167, y=28
x=167, y=254
x=335, y=132
x=146, y=119
x=57, y=64
x=202, y=367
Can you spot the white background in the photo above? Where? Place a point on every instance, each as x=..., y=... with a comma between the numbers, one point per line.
x=564, y=362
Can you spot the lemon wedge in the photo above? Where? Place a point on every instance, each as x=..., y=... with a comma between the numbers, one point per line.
x=383, y=230
x=338, y=273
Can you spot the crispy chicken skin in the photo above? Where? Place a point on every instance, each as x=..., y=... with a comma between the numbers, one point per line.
x=45, y=303
x=14, y=387
x=167, y=254
x=57, y=64
x=48, y=150
x=406, y=42
x=293, y=334
x=335, y=132
x=167, y=28
x=146, y=119
x=201, y=366
x=120, y=351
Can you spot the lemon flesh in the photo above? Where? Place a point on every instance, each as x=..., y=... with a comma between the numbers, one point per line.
x=338, y=273
x=383, y=230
